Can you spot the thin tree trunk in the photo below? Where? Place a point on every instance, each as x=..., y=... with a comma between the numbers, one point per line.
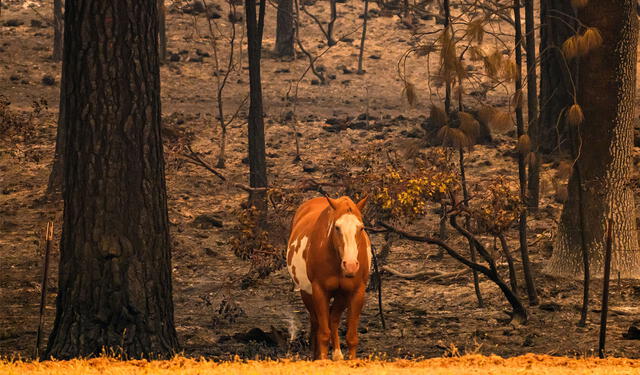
x=114, y=289
x=365, y=17
x=513, y=280
x=472, y=248
x=334, y=15
x=58, y=26
x=284, y=29
x=257, y=159
x=447, y=20
x=222, y=144
x=606, y=94
x=522, y=169
x=532, y=105
x=605, y=294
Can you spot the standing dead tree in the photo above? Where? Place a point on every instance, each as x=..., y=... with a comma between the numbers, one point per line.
x=222, y=75
x=257, y=157
x=363, y=38
x=285, y=33
x=524, y=148
x=329, y=31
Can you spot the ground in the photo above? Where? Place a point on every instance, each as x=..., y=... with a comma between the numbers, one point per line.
x=471, y=364
x=424, y=317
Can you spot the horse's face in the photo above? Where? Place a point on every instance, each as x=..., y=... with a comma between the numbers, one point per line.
x=346, y=232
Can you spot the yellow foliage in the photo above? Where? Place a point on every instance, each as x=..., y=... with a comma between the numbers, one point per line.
x=397, y=192
x=499, y=208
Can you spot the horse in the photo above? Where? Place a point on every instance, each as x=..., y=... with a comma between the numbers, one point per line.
x=329, y=258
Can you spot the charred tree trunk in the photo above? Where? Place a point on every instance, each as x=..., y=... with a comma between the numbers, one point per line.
x=557, y=23
x=257, y=159
x=532, y=294
x=606, y=93
x=532, y=105
x=363, y=38
x=334, y=15
x=114, y=288
x=58, y=26
x=447, y=20
x=284, y=29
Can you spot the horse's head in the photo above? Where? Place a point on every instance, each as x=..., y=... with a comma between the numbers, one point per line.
x=346, y=231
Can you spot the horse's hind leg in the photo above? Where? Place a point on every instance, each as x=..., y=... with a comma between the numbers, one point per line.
x=306, y=298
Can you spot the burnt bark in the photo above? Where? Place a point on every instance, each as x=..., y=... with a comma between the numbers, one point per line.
x=284, y=29
x=556, y=87
x=606, y=93
x=257, y=158
x=115, y=291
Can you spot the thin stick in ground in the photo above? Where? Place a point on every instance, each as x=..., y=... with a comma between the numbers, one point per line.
x=43, y=290
x=605, y=292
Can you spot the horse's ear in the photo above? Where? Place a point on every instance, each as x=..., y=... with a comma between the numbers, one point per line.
x=332, y=202
x=362, y=203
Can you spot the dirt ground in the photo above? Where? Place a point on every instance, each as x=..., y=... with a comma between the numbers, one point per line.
x=424, y=318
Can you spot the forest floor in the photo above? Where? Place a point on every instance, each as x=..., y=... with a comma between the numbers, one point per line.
x=212, y=313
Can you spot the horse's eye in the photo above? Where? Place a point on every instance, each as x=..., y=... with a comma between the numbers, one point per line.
x=338, y=229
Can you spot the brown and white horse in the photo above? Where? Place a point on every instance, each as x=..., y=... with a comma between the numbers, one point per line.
x=329, y=257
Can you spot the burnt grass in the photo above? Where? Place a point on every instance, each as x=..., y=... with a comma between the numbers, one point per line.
x=214, y=316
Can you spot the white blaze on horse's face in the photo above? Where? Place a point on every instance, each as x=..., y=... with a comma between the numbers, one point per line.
x=347, y=228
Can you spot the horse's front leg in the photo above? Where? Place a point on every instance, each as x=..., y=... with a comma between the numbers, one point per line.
x=320, y=299
x=353, y=319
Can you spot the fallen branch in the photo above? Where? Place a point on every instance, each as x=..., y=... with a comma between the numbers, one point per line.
x=519, y=312
x=412, y=275
x=429, y=275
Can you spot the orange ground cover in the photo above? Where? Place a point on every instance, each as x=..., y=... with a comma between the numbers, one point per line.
x=470, y=364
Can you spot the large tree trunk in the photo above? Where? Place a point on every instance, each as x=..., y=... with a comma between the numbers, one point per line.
x=58, y=25
x=556, y=88
x=606, y=93
x=284, y=29
x=257, y=159
x=114, y=289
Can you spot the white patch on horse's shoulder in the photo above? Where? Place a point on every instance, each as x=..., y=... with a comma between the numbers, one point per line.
x=300, y=265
